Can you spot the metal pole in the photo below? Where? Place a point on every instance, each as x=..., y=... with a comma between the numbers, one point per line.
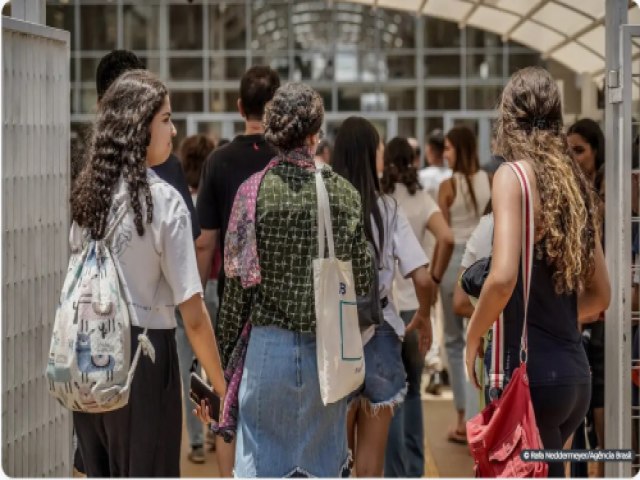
x=617, y=427
x=420, y=123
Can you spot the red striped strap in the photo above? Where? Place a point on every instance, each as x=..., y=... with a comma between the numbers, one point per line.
x=527, y=246
x=496, y=377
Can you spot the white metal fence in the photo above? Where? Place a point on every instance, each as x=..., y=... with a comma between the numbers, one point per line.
x=36, y=431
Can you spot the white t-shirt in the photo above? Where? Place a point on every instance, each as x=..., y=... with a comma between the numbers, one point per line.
x=431, y=177
x=401, y=247
x=479, y=244
x=160, y=267
x=418, y=209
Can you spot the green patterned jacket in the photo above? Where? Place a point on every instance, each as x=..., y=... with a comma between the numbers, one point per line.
x=286, y=218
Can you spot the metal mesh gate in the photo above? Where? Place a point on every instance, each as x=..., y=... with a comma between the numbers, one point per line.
x=36, y=431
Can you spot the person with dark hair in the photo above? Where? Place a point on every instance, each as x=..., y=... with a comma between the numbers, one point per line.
x=222, y=174
x=462, y=199
x=436, y=170
x=587, y=148
x=413, y=143
x=586, y=143
x=405, y=447
x=222, y=142
x=569, y=279
x=323, y=153
x=133, y=132
x=284, y=429
x=111, y=66
x=358, y=156
x=193, y=152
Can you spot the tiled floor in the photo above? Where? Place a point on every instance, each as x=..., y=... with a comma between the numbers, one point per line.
x=191, y=470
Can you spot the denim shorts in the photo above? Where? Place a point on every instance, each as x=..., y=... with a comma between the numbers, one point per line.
x=283, y=427
x=385, y=379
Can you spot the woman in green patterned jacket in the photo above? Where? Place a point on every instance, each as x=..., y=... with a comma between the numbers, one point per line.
x=283, y=427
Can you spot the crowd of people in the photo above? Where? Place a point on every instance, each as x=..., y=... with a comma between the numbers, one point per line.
x=223, y=239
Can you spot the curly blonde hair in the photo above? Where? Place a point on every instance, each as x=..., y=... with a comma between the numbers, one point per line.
x=529, y=127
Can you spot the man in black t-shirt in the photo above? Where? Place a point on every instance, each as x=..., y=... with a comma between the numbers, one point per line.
x=222, y=174
x=228, y=167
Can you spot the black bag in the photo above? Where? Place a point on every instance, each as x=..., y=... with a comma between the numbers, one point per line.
x=472, y=279
x=369, y=305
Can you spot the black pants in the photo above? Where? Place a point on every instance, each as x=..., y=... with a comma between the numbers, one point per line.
x=559, y=411
x=143, y=438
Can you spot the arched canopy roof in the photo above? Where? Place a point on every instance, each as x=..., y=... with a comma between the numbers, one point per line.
x=571, y=32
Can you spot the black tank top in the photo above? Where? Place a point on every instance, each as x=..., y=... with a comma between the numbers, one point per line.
x=556, y=354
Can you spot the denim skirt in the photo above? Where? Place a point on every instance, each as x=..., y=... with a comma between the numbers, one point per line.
x=283, y=427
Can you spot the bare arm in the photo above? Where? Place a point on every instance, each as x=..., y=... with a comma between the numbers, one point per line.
x=596, y=296
x=503, y=276
x=438, y=226
x=445, y=198
x=197, y=325
x=206, y=245
x=461, y=304
x=421, y=321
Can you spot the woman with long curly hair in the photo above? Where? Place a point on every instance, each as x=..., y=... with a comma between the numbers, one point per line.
x=405, y=447
x=462, y=199
x=152, y=241
x=569, y=278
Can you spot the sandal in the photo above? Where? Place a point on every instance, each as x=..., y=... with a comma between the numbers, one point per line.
x=457, y=436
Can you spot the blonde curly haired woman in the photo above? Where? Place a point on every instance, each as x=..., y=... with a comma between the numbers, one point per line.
x=569, y=277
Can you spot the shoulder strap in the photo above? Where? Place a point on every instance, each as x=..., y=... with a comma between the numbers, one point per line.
x=496, y=377
x=324, y=217
x=527, y=247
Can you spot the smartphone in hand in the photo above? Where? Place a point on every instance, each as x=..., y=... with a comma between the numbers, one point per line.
x=200, y=391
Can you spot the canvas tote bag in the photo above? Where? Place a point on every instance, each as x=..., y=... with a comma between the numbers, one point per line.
x=338, y=342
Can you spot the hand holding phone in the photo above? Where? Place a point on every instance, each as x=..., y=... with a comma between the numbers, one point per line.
x=201, y=392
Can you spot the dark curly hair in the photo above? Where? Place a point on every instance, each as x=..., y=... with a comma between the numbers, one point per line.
x=194, y=150
x=118, y=147
x=295, y=112
x=398, y=167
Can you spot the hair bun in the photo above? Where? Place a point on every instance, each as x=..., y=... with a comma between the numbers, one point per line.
x=295, y=112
